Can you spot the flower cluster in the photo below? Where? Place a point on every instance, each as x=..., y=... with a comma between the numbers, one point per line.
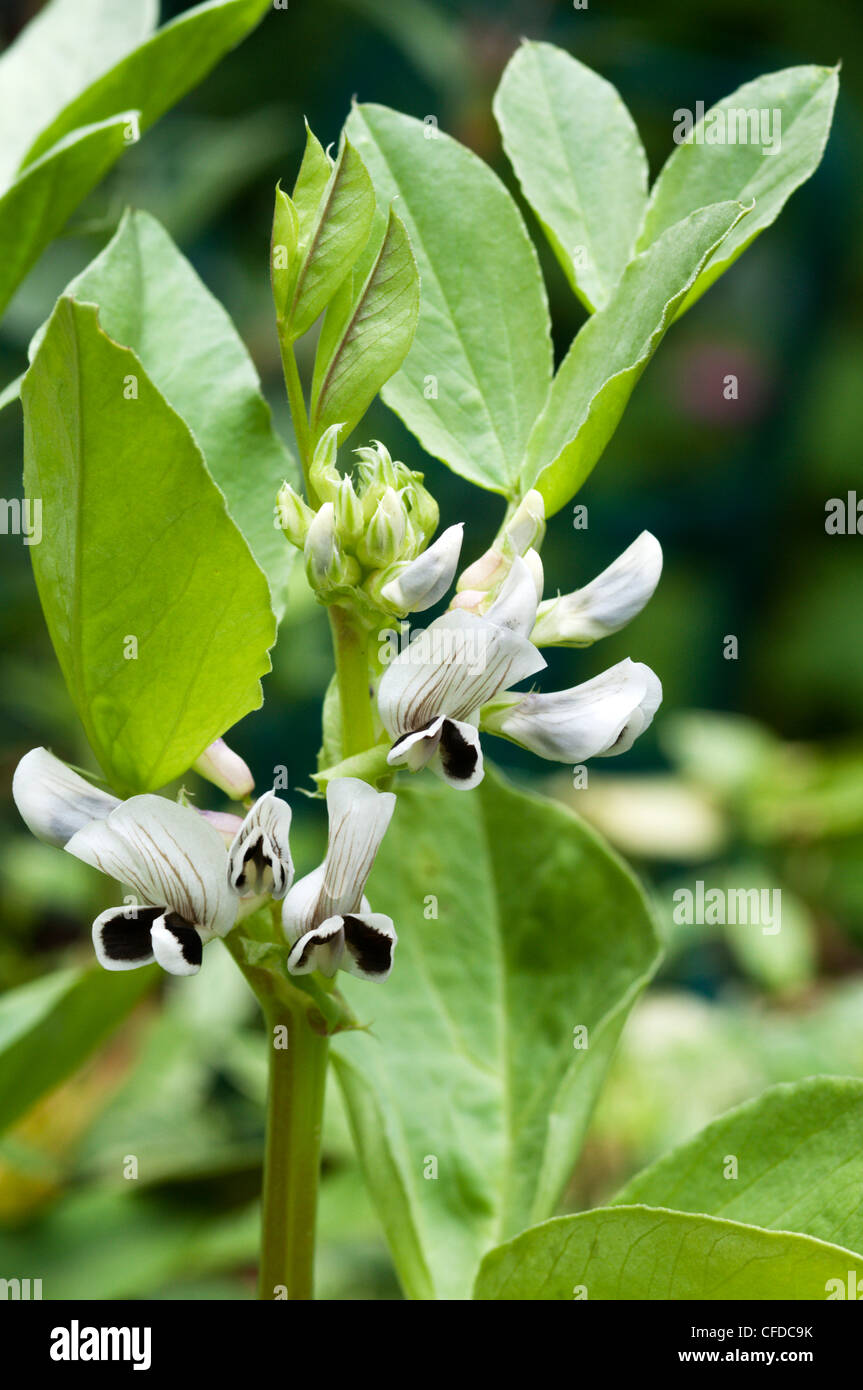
x=455, y=678
x=194, y=874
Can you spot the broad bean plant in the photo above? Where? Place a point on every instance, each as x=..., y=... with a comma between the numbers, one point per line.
x=465, y=955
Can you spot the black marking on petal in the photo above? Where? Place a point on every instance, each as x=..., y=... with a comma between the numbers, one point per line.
x=260, y=870
x=188, y=939
x=459, y=757
x=310, y=945
x=372, y=950
x=126, y=935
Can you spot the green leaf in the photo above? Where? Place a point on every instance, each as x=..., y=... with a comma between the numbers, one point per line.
x=696, y=174
x=315, y=173
x=367, y=333
x=154, y=76
x=329, y=239
x=48, y=1028
x=151, y=300
x=36, y=208
x=471, y=1058
x=66, y=46
x=479, y=370
x=599, y=373
x=635, y=1252
x=799, y=1153
x=580, y=162
x=137, y=544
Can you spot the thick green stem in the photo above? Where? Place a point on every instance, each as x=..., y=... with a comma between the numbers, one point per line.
x=350, y=645
x=295, y=1104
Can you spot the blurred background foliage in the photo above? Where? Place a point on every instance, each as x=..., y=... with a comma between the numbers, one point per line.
x=751, y=775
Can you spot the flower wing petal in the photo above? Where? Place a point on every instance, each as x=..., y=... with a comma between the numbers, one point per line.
x=416, y=749
x=370, y=940
x=121, y=937
x=177, y=947
x=458, y=759
x=319, y=949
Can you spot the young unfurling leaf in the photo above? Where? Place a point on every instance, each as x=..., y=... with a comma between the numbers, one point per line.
x=368, y=331
x=318, y=234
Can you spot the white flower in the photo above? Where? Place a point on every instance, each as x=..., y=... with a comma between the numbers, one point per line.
x=174, y=861
x=606, y=604
x=600, y=718
x=326, y=918
x=259, y=860
x=429, y=697
x=420, y=583
x=225, y=769
x=53, y=800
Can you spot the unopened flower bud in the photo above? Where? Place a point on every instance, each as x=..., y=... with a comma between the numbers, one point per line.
x=223, y=767
x=348, y=513
x=385, y=533
x=323, y=473
x=223, y=821
x=424, y=512
x=376, y=461
x=293, y=516
x=321, y=549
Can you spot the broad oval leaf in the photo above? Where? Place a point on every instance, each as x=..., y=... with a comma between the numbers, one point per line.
x=159, y=615
x=599, y=373
x=155, y=75
x=479, y=370
x=636, y=1252
x=580, y=162
x=367, y=333
x=65, y=47
x=151, y=300
x=799, y=1156
x=517, y=927
x=698, y=173
x=49, y=1027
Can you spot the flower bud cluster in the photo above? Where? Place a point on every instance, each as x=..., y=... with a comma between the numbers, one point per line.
x=369, y=536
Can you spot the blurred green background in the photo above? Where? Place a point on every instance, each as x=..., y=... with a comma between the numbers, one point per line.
x=752, y=772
